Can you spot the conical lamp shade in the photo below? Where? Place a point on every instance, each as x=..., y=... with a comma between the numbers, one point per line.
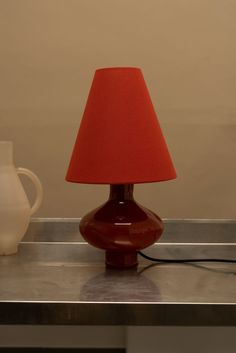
x=120, y=140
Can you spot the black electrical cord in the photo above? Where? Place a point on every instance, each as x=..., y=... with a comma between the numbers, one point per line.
x=200, y=266
x=184, y=260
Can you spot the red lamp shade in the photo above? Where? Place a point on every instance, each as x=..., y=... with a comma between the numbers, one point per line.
x=120, y=140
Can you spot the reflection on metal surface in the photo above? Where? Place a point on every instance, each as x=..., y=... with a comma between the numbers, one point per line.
x=113, y=286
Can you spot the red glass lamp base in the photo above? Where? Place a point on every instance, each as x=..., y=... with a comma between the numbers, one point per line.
x=121, y=227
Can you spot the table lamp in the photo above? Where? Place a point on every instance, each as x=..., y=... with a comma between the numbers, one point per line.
x=120, y=143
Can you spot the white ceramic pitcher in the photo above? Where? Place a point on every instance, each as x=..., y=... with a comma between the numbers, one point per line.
x=15, y=210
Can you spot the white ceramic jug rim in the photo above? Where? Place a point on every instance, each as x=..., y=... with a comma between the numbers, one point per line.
x=6, y=143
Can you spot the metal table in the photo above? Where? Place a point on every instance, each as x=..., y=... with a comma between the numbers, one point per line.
x=58, y=279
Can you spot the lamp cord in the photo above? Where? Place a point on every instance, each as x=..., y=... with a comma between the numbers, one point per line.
x=150, y=258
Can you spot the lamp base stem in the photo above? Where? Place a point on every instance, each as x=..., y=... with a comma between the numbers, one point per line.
x=118, y=259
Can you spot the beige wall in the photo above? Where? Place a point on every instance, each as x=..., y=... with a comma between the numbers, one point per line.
x=49, y=50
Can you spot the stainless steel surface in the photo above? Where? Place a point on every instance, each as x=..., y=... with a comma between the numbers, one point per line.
x=56, y=278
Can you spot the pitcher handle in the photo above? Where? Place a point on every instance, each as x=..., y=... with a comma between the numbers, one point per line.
x=38, y=186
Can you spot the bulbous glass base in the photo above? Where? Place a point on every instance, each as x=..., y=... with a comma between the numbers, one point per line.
x=121, y=227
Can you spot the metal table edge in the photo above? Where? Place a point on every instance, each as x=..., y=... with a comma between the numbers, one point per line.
x=128, y=314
